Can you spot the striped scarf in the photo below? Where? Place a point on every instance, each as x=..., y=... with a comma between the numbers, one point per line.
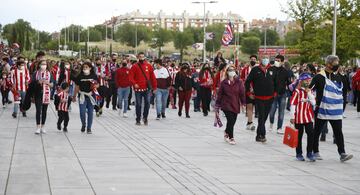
x=331, y=106
x=46, y=89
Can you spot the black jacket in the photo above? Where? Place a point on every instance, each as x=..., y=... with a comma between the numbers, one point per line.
x=184, y=81
x=263, y=82
x=282, y=79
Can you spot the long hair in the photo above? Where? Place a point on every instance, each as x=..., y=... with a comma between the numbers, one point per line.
x=203, y=69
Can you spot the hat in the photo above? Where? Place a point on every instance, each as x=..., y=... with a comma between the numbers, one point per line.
x=304, y=76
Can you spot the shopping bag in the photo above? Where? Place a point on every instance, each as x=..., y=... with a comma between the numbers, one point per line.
x=291, y=137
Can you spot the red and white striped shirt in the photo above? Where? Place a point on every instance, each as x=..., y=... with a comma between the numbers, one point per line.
x=173, y=71
x=102, y=71
x=20, y=78
x=63, y=104
x=302, y=107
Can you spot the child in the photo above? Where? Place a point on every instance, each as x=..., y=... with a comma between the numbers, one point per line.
x=62, y=102
x=5, y=85
x=302, y=102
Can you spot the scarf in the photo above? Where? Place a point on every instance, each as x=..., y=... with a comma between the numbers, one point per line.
x=46, y=88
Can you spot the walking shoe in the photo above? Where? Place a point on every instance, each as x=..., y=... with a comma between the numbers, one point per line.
x=271, y=127
x=310, y=157
x=83, y=129
x=226, y=137
x=317, y=156
x=4, y=106
x=88, y=131
x=43, y=130
x=163, y=115
x=120, y=111
x=187, y=116
x=334, y=141
x=250, y=126
x=344, y=157
x=145, y=121
x=323, y=137
x=24, y=114
x=258, y=138
x=158, y=117
x=128, y=108
x=97, y=114
x=100, y=111
x=174, y=107
x=232, y=141
x=114, y=108
x=263, y=139
x=14, y=115
x=280, y=131
x=38, y=131
x=300, y=157
x=138, y=123
x=59, y=126
x=125, y=115
x=205, y=114
x=65, y=129
x=179, y=113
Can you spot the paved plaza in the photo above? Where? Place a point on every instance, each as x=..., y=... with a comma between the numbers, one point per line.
x=171, y=156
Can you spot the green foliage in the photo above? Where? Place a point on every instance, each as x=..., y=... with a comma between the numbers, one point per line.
x=182, y=40
x=126, y=34
x=250, y=45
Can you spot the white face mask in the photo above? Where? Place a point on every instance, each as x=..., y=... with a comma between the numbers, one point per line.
x=198, y=70
x=4, y=76
x=43, y=67
x=231, y=74
x=21, y=67
x=277, y=64
x=67, y=66
x=86, y=71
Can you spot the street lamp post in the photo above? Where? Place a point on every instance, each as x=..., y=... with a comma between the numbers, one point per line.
x=135, y=38
x=204, y=26
x=106, y=37
x=334, y=30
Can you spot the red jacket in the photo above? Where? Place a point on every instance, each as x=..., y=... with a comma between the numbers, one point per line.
x=137, y=77
x=122, y=77
x=356, y=81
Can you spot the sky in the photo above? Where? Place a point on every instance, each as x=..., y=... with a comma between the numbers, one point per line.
x=51, y=15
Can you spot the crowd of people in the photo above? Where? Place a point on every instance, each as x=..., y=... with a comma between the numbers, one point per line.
x=313, y=94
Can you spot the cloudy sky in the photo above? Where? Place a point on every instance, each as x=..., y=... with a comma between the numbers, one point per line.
x=50, y=15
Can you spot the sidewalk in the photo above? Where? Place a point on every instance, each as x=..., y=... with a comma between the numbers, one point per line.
x=171, y=156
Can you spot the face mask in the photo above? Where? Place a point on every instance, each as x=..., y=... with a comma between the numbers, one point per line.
x=86, y=71
x=114, y=60
x=252, y=63
x=43, y=67
x=4, y=76
x=231, y=74
x=277, y=64
x=124, y=64
x=198, y=70
x=335, y=67
x=67, y=66
x=21, y=67
x=304, y=85
x=265, y=62
x=141, y=60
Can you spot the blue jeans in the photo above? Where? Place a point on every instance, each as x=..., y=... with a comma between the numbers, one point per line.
x=89, y=108
x=161, y=100
x=139, y=96
x=16, y=106
x=197, y=101
x=279, y=102
x=123, y=95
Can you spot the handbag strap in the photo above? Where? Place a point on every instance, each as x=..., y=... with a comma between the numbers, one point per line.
x=143, y=72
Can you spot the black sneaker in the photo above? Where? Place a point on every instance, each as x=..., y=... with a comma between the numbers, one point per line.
x=114, y=108
x=345, y=157
x=65, y=129
x=179, y=114
x=163, y=115
x=258, y=138
x=187, y=116
x=145, y=122
x=24, y=114
x=14, y=115
x=83, y=129
x=158, y=117
x=205, y=114
x=263, y=139
x=59, y=126
x=128, y=108
x=138, y=123
x=88, y=131
x=323, y=137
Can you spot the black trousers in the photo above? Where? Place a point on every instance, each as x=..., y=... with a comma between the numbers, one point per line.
x=309, y=129
x=357, y=100
x=356, y=97
x=112, y=96
x=63, y=116
x=5, y=96
x=41, y=110
x=205, y=96
x=230, y=122
x=337, y=130
x=263, y=107
x=130, y=96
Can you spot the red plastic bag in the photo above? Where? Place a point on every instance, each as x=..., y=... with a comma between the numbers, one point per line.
x=291, y=137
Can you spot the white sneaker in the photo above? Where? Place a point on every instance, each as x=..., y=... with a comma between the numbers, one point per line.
x=43, y=130
x=271, y=127
x=344, y=116
x=358, y=114
x=38, y=131
x=250, y=127
x=232, y=141
x=4, y=106
x=125, y=115
x=120, y=112
x=280, y=131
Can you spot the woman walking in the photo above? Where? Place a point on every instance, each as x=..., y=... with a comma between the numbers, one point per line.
x=183, y=86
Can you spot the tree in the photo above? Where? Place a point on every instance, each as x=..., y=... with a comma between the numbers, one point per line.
x=159, y=37
x=182, y=40
x=250, y=45
x=215, y=44
x=292, y=38
x=271, y=37
x=126, y=34
x=20, y=32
